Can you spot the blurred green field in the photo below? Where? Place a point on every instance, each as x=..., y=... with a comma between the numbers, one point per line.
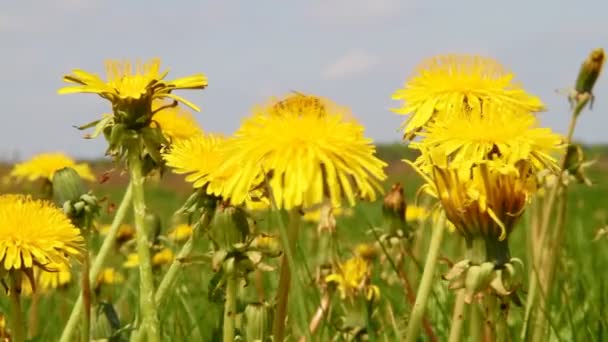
x=190, y=315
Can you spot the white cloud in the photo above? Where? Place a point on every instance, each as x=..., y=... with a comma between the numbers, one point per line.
x=351, y=64
x=354, y=11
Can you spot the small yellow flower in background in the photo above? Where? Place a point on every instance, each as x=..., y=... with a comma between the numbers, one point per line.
x=315, y=215
x=34, y=234
x=125, y=232
x=163, y=257
x=366, y=251
x=446, y=85
x=470, y=138
x=174, y=121
x=181, y=232
x=415, y=213
x=44, y=166
x=109, y=276
x=308, y=158
x=128, y=87
x=132, y=261
x=353, y=278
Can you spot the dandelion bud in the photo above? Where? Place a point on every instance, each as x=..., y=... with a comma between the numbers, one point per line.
x=258, y=322
x=67, y=185
x=590, y=71
x=229, y=226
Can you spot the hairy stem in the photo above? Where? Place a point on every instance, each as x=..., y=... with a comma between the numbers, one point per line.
x=18, y=324
x=230, y=303
x=147, y=303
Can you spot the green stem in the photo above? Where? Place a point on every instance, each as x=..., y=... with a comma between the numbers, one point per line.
x=86, y=293
x=457, y=318
x=167, y=282
x=147, y=304
x=18, y=326
x=289, y=239
x=426, y=283
x=475, y=329
x=104, y=251
x=230, y=303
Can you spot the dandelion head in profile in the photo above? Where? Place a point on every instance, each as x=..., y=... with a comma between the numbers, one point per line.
x=305, y=160
x=35, y=234
x=446, y=85
x=505, y=133
x=44, y=166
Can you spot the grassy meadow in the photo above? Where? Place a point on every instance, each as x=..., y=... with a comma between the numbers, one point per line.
x=193, y=310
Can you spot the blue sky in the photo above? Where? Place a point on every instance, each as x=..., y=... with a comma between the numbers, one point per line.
x=354, y=52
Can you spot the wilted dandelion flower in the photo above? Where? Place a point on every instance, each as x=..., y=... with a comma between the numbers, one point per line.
x=174, y=121
x=486, y=200
x=353, y=278
x=511, y=135
x=181, y=232
x=306, y=157
x=132, y=88
x=35, y=233
x=44, y=166
x=446, y=85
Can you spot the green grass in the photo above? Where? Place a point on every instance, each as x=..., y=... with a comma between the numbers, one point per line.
x=191, y=314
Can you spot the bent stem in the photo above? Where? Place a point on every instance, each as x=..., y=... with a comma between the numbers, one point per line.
x=426, y=283
x=18, y=324
x=147, y=304
x=104, y=251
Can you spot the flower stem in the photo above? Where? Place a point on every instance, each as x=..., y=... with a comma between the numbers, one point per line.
x=457, y=318
x=86, y=292
x=147, y=304
x=167, y=282
x=475, y=329
x=426, y=283
x=230, y=303
x=104, y=251
x=18, y=326
x=289, y=238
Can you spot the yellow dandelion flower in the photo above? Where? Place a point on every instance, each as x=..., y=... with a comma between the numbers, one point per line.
x=181, y=232
x=501, y=133
x=126, y=87
x=46, y=164
x=307, y=157
x=35, y=233
x=451, y=84
x=163, y=257
x=415, y=213
x=132, y=261
x=198, y=157
x=174, y=121
x=109, y=276
x=486, y=200
x=125, y=232
x=299, y=104
x=53, y=276
x=353, y=278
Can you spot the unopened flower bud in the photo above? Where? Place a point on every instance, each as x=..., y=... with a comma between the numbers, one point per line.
x=67, y=186
x=590, y=71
